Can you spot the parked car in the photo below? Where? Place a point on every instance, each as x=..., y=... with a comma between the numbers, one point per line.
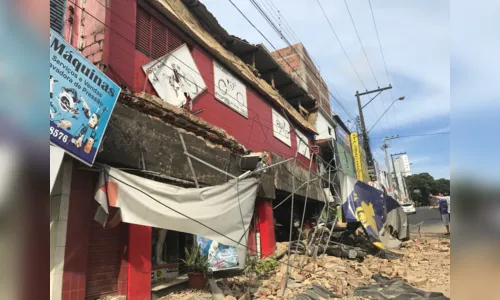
x=409, y=208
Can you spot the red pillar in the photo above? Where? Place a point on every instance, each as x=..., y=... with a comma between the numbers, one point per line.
x=139, y=262
x=266, y=227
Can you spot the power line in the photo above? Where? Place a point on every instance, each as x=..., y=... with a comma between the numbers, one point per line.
x=340, y=43
x=379, y=43
x=416, y=135
x=361, y=43
x=264, y=15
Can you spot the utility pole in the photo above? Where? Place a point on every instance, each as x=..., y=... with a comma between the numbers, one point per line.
x=395, y=174
x=387, y=165
x=362, y=119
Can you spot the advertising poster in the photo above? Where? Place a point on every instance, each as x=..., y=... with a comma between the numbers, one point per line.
x=356, y=153
x=220, y=257
x=175, y=77
x=229, y=90
x=82, y=99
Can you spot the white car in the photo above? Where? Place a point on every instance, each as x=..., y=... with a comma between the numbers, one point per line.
x=409, y=208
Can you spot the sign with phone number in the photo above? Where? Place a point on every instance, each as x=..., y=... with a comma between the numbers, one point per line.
x=81, y=101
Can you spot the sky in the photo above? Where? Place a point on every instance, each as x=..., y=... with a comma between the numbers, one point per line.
x=415, y=40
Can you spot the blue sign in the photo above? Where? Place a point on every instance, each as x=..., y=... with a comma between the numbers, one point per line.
x=220, y=257
x=82, y=99
x=365, y=204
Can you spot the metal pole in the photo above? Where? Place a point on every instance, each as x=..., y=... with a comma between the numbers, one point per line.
x=395, y=175
x=291, y=226
x=209, y=165
x=189, y=161
x=387, y=164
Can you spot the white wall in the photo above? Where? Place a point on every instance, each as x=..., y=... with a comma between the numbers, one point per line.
x=322, y=125
x=59, y=204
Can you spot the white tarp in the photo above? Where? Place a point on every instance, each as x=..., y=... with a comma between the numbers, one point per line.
x=151, y=203
x=56, y=158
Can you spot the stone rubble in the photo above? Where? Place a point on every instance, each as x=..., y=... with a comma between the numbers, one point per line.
x=425, y=265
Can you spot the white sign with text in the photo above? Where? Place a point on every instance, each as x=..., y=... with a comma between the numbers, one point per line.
x=230, y=90
x=175, y=77
x=302, y=144
x=281, y=128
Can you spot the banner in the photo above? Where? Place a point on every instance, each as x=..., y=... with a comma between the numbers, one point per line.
x=220, y=257
x=356, y=153
x=367, y=205
x=82, y=99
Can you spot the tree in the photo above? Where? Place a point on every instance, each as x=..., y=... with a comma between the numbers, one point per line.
x=421, y=185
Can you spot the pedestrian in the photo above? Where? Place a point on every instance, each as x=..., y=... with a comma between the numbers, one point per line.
x=444, y=209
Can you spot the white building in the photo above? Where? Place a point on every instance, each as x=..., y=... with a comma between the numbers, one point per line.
x=325, y=126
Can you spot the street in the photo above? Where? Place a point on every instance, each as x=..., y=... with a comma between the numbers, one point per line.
x=431, y=219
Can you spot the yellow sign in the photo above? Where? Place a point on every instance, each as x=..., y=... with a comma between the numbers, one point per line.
x=356, y=153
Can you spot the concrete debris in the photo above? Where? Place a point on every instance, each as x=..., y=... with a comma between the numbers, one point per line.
x=423, y=266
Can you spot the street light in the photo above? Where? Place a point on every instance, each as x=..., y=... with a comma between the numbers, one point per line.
x=399, y=99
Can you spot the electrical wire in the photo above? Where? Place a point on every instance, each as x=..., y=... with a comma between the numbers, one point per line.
x=416, y=135
x=204, y=225
x=340, y=43
x=361, y=43
x=349, y=114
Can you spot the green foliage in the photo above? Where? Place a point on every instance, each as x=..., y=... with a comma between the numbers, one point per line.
x=195, y=262
x=426, y=184
x=263, y=266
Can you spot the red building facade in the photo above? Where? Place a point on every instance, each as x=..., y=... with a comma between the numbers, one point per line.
x=122, y=37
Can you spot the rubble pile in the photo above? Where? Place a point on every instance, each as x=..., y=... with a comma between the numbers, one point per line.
x=425, y=265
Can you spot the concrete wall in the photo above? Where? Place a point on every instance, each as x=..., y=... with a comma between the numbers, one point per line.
x=59, y=204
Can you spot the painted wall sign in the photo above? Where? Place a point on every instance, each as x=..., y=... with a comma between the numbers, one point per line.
x=357, y=155
x=82, y=99
x=302, y=144
x=175, y=77
x=281, y=128
x=220, y=257
x=229, y=90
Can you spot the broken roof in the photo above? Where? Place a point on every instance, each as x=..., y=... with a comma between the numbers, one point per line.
x=195, y=28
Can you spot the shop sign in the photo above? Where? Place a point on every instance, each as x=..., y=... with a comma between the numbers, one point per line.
x=281, y=128
x=82, y=99
x=229, y=90
x=220, y=257
x=357, y=155
x=302, y=144
x=175, y=77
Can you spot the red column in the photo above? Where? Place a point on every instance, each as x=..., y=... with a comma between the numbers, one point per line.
x=266, y=227
x=252, y=245
x=139, y=262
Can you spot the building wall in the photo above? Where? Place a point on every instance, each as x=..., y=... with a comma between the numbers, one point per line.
x=254, y=132
x=324, y=127
x=296, y=61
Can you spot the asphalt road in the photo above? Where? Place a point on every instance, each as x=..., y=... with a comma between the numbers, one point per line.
x=431, y=219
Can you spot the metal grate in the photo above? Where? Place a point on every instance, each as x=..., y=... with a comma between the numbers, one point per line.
x=57, y=10
x=143, y=29
x=159, y=39
x=153, y=37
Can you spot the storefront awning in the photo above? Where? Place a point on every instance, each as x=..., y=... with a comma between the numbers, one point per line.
x=221, y=213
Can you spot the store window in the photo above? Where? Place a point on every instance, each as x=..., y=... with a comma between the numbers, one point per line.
x=167, y=250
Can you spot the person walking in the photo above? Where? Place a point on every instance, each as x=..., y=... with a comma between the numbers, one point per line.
x=444, y=209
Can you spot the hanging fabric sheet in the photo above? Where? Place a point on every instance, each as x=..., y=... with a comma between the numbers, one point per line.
x=214, y=212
